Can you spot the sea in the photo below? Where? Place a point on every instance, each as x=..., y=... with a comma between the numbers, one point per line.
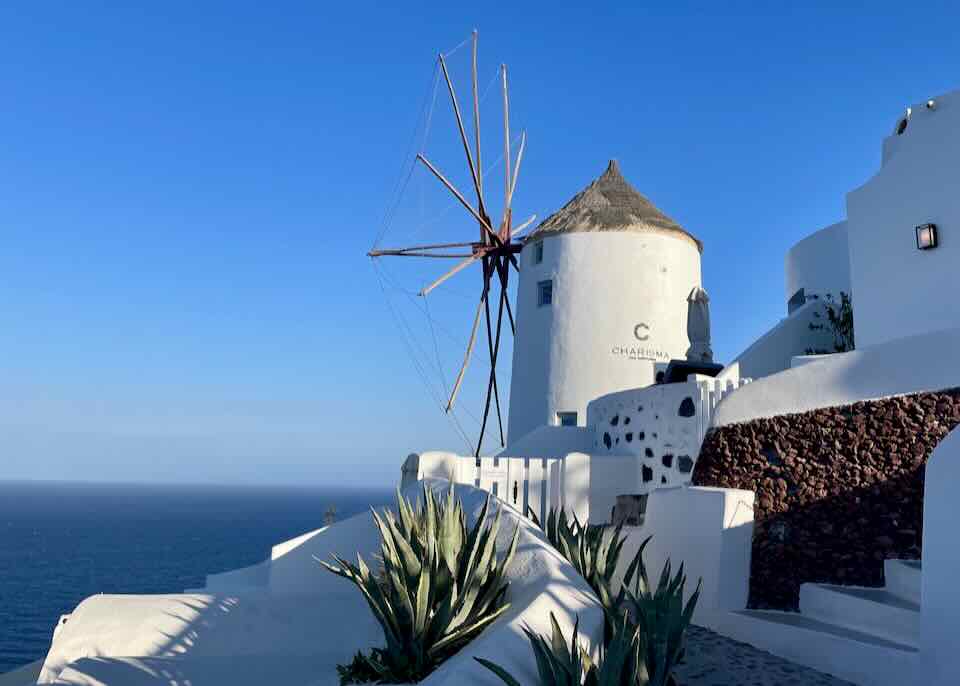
x=61, y=542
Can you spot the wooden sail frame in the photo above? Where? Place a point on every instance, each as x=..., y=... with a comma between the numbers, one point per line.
x=495, y=250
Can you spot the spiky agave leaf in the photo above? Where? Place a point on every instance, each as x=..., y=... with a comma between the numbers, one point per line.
x=560, y=663
x=439, y=584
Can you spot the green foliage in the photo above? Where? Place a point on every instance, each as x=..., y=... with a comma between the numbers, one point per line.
x=841, y=322
x=660, y=617
x=440, y=585
x=363, y=669
x=655, y=620
x=594, y=551
x=560, y=664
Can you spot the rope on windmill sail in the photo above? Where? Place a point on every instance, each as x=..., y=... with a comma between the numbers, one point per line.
x=409, y=161
x=411, y=342
x=416, y=363
x=436, y=346
x=415, y=299
x=450, y=52
x=438, y=216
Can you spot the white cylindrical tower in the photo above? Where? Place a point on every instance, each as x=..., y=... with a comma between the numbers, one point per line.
x=602, y=301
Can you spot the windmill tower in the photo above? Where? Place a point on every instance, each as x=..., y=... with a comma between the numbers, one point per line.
x=601, y=303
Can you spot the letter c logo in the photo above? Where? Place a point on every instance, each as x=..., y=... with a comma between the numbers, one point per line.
x=638, y=335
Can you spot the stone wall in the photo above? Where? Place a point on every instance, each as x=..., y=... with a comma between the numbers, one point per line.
x=838, y=490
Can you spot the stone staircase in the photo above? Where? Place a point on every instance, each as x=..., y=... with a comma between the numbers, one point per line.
x=869, y=636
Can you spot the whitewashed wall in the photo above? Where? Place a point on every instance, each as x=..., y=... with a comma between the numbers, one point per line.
x=710, y=531
x=819, y=264
x=659, y=427
x=806, y=328
x=900, y=290
x=910, y=365
x=584, y=345
x=940, y=601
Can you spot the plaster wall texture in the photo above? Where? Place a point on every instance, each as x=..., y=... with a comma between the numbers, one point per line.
x=308, y=620
x=792, y=336
x=588, y=341
x=940, y=613
x=925, y=362
x=819, y=264
x=660, y=427
x=899, y=290
x=709, y=530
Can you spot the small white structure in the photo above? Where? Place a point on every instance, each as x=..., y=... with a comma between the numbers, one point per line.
x=601, y=304
x=818, y=267
x=893, y=280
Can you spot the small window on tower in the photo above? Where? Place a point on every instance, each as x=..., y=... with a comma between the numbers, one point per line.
x=538, y=252
x=544, y=293
x=567, y=418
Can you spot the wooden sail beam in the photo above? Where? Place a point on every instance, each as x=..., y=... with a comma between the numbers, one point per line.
x=418, y=253
x=525, y=224
x=476, y=118
x=459, y=196
x=506, y=138
x=493, y=344
x=434, y=246
x=470, y=343
x=516, y=171
x=463, y=133
x=504, y=281
x=458, y=268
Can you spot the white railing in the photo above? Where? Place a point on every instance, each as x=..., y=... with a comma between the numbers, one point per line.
x=529, y=484
x=712, y=391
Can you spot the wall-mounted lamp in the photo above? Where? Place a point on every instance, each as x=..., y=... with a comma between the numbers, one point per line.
x=926, y=236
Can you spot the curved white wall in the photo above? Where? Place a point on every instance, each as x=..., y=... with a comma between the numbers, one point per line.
x=908, y=365
x=586, y=343
x=805, y=329
x=900, y=290
x=819, y=264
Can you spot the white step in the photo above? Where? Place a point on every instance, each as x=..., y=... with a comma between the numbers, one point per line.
x=903, y=578
x=875, y=611
x=22, y=676
x=859, y=657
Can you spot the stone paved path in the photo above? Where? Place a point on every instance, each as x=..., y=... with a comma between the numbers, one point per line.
x=714, y=660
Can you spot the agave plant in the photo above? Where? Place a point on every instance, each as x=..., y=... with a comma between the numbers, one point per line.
x=440, y=585
x=561, y=665
x=661, y=619
x=594, y=551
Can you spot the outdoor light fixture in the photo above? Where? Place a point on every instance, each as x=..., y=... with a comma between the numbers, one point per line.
x=926, y=236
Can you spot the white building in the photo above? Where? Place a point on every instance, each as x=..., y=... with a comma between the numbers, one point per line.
x=602, y=303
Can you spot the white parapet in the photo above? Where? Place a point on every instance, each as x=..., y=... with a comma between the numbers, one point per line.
x=710, y=531
x=308, y=620
x=940, y=598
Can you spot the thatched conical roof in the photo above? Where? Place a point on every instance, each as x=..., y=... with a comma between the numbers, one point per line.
x=610, y=203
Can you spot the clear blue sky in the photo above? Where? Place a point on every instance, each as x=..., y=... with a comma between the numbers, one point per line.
x=187, y=191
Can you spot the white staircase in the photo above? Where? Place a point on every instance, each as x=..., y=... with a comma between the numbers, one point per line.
x=869, y=636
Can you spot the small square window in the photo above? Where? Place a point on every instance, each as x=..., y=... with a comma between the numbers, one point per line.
x=926, y=236
x=538, y=252
x=567, y=418
x=544, y=293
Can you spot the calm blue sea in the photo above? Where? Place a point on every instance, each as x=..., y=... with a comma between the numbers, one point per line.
x=61, y=542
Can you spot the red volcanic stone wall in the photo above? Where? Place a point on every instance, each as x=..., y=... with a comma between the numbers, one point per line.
x=838, y=490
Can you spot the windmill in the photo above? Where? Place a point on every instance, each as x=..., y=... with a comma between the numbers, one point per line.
x=495, y=249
